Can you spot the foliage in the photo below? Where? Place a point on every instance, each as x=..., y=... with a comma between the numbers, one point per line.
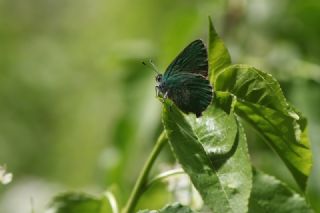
x=212, y=157
x=259, y=100
x=270, y=195
x=173, y=208
x=212, y=150
x=78, y=203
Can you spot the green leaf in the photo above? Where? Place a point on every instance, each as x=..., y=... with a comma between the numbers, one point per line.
x=78, y=203
x=224, y=100
x=260, y=101
x=216, y=131
x=219, y=56
x=224, y=141
x=279, y=132
x=270, y=195
x=172, y=208
x=252, y=85
x=213, y=152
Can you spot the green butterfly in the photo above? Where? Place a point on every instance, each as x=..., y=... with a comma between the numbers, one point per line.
x=186, y=82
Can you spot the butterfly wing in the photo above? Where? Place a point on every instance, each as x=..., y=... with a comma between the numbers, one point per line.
x=190, y=92
x=193, y=59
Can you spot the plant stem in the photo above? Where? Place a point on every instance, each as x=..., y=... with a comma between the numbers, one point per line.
x=163, y=176
x=112, y=201
x=142, y=179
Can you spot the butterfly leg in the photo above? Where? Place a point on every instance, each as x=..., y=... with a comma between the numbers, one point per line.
x=157, y=90
x=159, y=94
x=165, y=95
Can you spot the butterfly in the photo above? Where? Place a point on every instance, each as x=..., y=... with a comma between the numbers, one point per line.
x=185, y=81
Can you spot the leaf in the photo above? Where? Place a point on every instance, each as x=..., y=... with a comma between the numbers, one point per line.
x=78, y=203
x=224, y=100
x=215, y=130
x=217, y=163
x=224, y=141
x=252, y=85
x=260, y=101
x=219, y=56
x=278, y=130
x=270, y=195
x=172, y=208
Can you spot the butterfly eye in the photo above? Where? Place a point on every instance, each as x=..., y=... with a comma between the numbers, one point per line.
x=159, y=77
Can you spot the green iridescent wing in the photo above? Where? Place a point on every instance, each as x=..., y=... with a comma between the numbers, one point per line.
x=193, y=59
x=190, y=92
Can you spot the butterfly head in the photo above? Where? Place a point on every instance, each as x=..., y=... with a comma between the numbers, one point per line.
x=158, y=78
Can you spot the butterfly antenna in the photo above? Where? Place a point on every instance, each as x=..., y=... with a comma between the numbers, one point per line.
x=151, y=66
x=154, y=66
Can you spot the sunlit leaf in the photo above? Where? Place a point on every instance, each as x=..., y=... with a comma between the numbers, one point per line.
x=270, y=195
x=219, y=56
x=252, y=85
x=78, y=203
x=172, y=208
x=216, y=131
x=224, y=141
x=212, y=150
x=260, y=101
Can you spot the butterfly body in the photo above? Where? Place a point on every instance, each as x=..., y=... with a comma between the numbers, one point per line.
x=185, y=80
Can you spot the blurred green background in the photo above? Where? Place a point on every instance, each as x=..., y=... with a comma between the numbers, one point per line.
x=78, y=109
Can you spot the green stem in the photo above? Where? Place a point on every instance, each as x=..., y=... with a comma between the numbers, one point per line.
x=142, y=179
x=112, y=201
x=163, y=176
